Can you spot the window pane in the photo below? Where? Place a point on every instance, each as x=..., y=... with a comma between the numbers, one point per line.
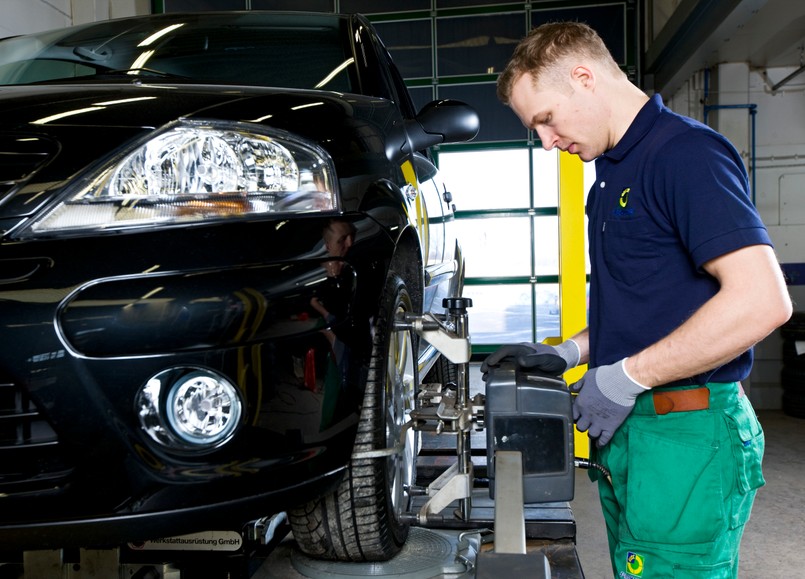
x=421, y=95
x=459, y=3
x=546, y=244
x=503, y=314
x=546, y=177
x=496, y=246
x=375, y=7
x=477, y=44
x=201, y=5
x=500, y=314
x=498, y=122
x=547, y=300
x=409, y=42
x=609, y=20
x=487, y=179
x=304, y=5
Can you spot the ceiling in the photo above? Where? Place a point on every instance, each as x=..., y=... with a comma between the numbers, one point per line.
x=699, y=34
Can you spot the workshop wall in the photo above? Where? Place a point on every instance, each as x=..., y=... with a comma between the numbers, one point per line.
x=25, y=16
x=773, y=144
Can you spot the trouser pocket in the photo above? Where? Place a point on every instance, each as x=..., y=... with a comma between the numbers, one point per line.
x=721, y=571
x=748, y=444
x=674, y=491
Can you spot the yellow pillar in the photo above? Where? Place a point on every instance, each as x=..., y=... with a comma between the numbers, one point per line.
x=572, y=272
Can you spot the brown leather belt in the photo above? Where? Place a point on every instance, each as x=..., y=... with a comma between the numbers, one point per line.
x=666, y=401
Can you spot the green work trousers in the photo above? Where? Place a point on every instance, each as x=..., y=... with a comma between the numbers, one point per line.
x=682, y=487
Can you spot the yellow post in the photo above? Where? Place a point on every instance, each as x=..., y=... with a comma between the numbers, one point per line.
x=572, y=272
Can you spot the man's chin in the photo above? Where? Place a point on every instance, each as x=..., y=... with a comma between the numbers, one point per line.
x=585, y=156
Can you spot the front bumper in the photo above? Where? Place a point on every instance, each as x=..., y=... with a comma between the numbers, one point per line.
x=78, y=469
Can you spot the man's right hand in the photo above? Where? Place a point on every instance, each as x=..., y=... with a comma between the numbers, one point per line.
x=606, y=396
x=537, y=357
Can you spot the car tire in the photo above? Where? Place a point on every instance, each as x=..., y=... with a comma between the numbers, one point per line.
x=361, y=519
x=443, y=372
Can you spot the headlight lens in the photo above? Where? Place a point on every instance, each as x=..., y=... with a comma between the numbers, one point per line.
x=189, y=409
x=197, y=171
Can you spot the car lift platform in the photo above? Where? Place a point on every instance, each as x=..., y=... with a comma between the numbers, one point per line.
x=450, y=550
x=481, y=547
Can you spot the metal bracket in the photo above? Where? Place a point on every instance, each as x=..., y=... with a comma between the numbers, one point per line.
x=447, y=409
x=452, y=346
x=450, y=486
x=509, y=512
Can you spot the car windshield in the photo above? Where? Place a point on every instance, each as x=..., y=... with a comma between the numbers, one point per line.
x=246, y=48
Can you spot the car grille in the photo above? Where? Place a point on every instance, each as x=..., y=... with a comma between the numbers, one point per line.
x=30, y=459
x=20, y=157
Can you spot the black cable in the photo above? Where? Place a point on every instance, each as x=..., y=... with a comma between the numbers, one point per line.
x=586, y=463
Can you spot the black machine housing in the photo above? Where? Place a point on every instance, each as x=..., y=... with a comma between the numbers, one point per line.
x=531, y=413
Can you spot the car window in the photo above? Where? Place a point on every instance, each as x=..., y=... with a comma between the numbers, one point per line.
x=382, y=77
x=403, y=98
x=251, y=49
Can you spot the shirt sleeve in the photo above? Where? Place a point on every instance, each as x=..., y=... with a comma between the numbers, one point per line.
x=707, y=195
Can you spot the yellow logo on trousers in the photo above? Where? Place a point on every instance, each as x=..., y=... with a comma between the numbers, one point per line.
x=634, y=564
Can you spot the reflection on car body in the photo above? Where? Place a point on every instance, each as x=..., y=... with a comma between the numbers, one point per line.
x=210, y=223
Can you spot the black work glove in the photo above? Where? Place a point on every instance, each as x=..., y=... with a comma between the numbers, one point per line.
x=606, y=396
x=537, y=357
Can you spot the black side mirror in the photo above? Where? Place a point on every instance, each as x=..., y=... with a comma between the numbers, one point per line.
x=439, y=122
x=443, y=121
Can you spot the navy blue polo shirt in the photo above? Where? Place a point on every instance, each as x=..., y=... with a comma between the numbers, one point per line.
x=670, y=196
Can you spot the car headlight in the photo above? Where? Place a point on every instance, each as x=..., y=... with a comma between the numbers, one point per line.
x=198, y=171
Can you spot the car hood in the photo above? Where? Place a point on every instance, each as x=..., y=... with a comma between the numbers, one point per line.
x=54, y=133
x=148, y=105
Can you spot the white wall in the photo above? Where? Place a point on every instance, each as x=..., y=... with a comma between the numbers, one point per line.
x=779, y=161
x=24, y=16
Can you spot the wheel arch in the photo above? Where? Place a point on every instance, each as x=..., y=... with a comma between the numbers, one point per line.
x=408, y=264
x=386, y=205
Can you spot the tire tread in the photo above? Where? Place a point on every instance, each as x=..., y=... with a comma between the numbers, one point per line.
x=353, y=523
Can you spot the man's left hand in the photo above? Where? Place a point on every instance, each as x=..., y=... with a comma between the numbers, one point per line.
x=606, y=396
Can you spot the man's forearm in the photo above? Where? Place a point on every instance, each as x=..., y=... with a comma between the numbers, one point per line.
x=752, y=301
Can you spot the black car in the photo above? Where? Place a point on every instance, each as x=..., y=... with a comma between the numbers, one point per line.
x=210, y=224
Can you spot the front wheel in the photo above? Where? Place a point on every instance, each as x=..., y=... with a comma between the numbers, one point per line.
x=361, y=519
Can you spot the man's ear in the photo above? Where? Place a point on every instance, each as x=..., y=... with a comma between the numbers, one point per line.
x=582, y=75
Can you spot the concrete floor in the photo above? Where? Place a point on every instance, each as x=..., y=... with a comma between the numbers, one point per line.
x=775, y=535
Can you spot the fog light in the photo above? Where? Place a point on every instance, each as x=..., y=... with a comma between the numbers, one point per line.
x=203, y=409
x=189, y=408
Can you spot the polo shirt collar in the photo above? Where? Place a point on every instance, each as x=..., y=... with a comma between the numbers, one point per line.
x=638, y=129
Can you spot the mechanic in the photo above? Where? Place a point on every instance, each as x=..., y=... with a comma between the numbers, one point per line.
x=684, y=282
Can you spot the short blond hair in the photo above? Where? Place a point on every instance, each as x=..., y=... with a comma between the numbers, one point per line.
x=546, y=46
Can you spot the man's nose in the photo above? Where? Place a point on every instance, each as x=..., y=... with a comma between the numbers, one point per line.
x=547, y=137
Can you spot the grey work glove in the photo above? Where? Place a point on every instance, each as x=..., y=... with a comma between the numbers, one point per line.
x=552, y=360
x=606, y=396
